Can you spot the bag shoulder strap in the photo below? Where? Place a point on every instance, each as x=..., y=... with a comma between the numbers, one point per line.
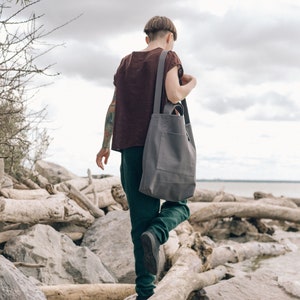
x=158, y=88
x=159, y=82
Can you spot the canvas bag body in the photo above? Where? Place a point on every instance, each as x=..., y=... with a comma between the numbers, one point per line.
x=169, y=158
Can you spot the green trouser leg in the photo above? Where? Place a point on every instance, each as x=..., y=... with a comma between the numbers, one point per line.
x=145, y=213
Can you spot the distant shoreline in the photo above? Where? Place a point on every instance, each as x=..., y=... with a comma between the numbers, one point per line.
x=248, y=180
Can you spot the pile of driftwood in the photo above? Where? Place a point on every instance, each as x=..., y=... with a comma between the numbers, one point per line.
x=222, y=229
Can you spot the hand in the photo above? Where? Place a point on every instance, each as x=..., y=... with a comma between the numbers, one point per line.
x=102, y=154
x=187, y=79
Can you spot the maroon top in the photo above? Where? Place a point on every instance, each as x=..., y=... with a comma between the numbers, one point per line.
x=135, y=87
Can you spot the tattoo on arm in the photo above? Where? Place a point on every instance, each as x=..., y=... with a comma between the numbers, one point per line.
x=109, y=123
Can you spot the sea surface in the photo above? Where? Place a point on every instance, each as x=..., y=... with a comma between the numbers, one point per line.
x=243, y=188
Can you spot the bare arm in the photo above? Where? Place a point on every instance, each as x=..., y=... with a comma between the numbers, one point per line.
x=175, y=91
x=104, y=152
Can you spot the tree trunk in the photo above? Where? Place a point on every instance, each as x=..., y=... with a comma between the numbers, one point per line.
x=88, y=291
x=202, y=212
x=56, y=208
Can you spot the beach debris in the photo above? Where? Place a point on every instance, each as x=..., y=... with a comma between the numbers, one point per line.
x=89, y=216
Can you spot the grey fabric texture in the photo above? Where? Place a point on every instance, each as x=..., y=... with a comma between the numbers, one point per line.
x=169, y=157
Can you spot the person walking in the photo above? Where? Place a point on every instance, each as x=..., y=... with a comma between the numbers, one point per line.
x=126, y=124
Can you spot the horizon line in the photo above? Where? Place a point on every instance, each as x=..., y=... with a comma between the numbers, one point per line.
x=250, y=180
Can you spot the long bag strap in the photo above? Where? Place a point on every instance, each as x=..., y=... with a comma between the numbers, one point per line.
x=169, y=106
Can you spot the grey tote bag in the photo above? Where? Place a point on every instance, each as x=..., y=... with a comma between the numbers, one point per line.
x=169, y=158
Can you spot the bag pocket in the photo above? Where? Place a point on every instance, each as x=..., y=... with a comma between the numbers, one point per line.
x=176, y=154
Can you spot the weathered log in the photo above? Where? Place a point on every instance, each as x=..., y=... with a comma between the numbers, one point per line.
x=202, y=195
x=184, y=276
x=238, y=252
x=6, y=235
x=56, y=208
x=102, y=184
x=186, y=283
x=38, y=194
x=296, y=201
x=88, y=291
x=95, y=201
x=1, y=171
x=202, y=212
x=29, y=183
x=77, y=196
x=119, y=196
x=197, y=256
x=80, y=183
x=278, y=202
x=104, y=198
x=74, y=236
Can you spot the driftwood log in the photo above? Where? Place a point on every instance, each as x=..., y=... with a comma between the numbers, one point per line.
x=197, y=256
x=202, y=195
x=6, y=235
x=1, y=171
x=57, y=208
x=202, y=212
x=15, y=194
x=88, y=291
x=77, y=196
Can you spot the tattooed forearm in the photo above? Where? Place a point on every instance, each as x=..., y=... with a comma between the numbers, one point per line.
x=109, y=124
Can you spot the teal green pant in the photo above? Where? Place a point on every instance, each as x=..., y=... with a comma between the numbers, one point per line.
x=146, y=213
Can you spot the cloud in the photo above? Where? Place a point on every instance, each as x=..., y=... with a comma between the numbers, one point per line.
x=256, y=46
x=269, y=106
x=101, y=18
x=89, y=61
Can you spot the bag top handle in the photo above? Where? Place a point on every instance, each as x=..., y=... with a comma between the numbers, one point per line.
x=158, y=88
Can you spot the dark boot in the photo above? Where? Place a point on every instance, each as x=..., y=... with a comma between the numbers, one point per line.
x=150, y=245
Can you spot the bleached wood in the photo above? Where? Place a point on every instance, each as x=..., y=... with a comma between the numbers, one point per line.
x=38, y=194
x=75, y=194
x=99, y=291
x=202, y=212
x=56, y=208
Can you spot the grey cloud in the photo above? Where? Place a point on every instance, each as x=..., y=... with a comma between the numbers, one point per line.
x=274, y=107
x=85, y=52
x=101, y=18
x=87, y=61
x=258, y=48
x=222, y=105
x=269, y=106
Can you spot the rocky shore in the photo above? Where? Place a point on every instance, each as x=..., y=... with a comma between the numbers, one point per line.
x=68, y=237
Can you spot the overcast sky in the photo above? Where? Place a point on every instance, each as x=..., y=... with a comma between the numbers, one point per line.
x=245, y=110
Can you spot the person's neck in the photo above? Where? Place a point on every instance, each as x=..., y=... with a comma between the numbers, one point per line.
x=156, y=44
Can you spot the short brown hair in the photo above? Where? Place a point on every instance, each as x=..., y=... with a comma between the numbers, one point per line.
x=159, y=24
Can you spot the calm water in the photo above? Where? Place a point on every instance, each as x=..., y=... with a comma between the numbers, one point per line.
x=247, y=188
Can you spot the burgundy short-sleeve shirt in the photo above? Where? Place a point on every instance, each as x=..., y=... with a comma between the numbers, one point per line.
x=135, y=86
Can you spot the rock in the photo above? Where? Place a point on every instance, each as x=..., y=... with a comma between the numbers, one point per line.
x=261, y=284
x=53, y=172
x=109, y=238
x=64, y=261
x=15, y=285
